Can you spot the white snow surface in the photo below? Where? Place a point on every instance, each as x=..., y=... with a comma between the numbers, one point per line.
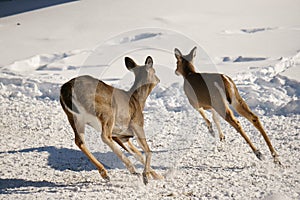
x=38, y=156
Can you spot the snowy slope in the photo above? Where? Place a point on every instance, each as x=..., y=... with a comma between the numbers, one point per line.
x=264, y=88
x=39, y=142
x=38, y=156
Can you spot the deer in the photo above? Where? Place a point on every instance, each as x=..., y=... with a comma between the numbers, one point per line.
x=116, y=113
x=217, y=92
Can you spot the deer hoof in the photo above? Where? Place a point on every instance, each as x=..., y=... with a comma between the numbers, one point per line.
x=222, y=138
x=258, y=154
x=210, y=129
x=107, y=178
x=145, y=178
x=137, y=174
x=104, y=175
x=277, y=161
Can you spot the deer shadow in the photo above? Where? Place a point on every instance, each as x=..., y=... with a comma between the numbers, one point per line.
x=59, y=159
x=13, y=185
x=70, y=159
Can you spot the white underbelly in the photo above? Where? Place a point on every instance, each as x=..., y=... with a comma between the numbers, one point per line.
x=86, y=117
x=93, y=121
x=119, y=129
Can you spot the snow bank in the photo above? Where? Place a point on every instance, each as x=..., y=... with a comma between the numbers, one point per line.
x=264, y=89
x=269, y=92
x=48, y=62
x=22, y=87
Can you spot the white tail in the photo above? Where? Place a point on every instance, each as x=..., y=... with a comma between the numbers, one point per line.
x=117, y=113
x=213, y=91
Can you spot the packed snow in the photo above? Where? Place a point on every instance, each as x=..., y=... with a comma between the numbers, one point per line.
x=39, y=158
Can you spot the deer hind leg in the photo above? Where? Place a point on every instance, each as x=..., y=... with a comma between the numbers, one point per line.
x=243, y=109
x=138, y=155
x=106, y=136
x=229, y=117
x=78, y=128
x=217, y=121
x=208, y=123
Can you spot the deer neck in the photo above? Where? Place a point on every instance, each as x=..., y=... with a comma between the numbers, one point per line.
x=140, y=92
x=188, y=69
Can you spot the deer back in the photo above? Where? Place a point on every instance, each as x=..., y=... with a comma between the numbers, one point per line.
x=208, y=90
x=90, y=99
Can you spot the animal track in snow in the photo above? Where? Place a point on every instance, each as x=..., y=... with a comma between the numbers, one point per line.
x=242, y=59
x=249, y=30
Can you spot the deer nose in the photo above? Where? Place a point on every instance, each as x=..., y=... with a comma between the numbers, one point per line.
x=157, y=79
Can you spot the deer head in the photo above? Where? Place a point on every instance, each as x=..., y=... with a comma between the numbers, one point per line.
x=185, y=62
x=145, y=77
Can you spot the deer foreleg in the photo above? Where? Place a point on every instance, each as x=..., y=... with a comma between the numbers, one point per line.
x=208, y=123
x=138, y=155
x=217, y=121
x=139, y=131
x=107, y=139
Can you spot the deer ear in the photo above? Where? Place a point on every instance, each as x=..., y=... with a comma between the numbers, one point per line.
x=178, y=54
x=193, y=53
x=149, y=62
x=130, y=64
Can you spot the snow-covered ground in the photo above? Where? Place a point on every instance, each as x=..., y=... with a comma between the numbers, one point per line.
x=256, y=43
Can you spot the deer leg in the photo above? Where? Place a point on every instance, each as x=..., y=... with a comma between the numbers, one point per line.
x=120, y=142
x=141, y=138
x=146, y=149
x=243, y=109
x=107, y=139
x=208, y=123
x=129, y=147
x=135, y=152
x=78, y=129
x=138, y=155
x=229, y=117
x=217, y=121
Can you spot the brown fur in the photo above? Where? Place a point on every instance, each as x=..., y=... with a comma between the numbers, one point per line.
x=118, y=114
x=215, y=92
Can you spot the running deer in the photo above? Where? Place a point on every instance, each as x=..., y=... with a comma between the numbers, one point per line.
x=118, y=114
x=215, y=92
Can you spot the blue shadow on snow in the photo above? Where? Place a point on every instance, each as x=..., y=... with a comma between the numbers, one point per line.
x=70, y=159
x=13, y=7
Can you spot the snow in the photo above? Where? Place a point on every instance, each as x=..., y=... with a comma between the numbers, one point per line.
x=258, y=48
